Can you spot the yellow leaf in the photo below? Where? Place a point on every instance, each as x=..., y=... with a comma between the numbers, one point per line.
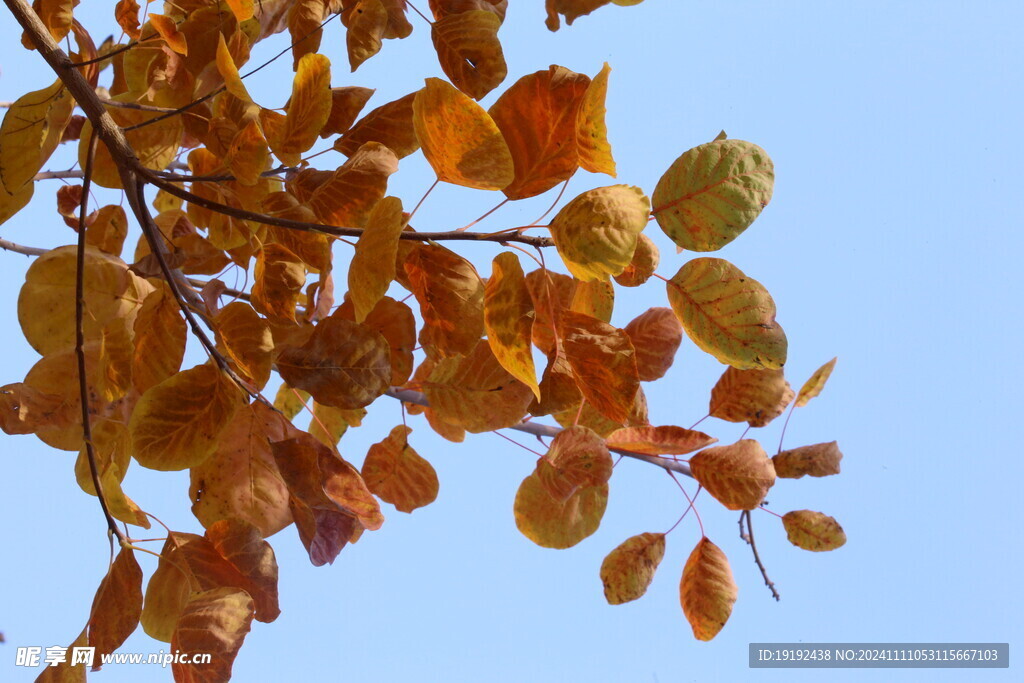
x=813, y=531
x=117, y=605
x=56, y=16
x=604, y=364
x=242, y=9
x=577, y=458
x=712, y=193
x=628, y=570
x=31, y=130
x=343, y=364
x=46, y=303
x=738, y=475
x=753, y=396
x=390, y=124
x=397, y=474
x=728, y=314
x=595, y=153
x=168, y=30
x=373, y=264
x=289, y=401
x=595, y=298
x=460, y=140
x=304, y=19
x=178, y=423
x=13, y=202
x=552, y=293
x=112, y=453
x=25, y=409
x=590, y=417
x=229, y=72
x=160, y=338
x=538, y=118
x=241, y=480
x=156, y=145
x=248, y=155
x=278, y=280
x=656, y=335
x=666, y=440
x=308, y=109
x=451, y=297
x=642, y=266
x=329, y=424
x=596, y=233
x=247, y=341
x=367, y=22
x=558, y=388
x=346, y=104
x=215, y=622
x=108, y=230
x=469, y=51
x=707, y=590
x=508, y=319
x=819, y=460
x=348, y=195
x=813, y=386
x=555, y=523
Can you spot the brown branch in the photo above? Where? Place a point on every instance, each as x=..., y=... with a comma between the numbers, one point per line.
x=83, y=381
x=749, y=538
x=537, y=429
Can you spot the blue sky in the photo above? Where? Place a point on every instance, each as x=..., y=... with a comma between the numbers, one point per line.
x=892, y=242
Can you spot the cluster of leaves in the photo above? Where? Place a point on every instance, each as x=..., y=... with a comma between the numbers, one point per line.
x=252, y=199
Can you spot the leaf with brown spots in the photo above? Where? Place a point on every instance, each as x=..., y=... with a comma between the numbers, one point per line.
x=753, y=396
x=707, y=590
x=397, y=474
x=738, y=475
x=819, y=460
x=627, y=571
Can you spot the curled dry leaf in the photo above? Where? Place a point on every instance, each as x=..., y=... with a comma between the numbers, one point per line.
x=813, y=531
x=509, y=318
x=813, y=386
x=469, y=51
x=628, y=570
x=396, y=473
x=738, y=475
x=645, y=261
x=667, y=440
x=753, y=396
x=707, y=590
x=656, y=335
x=819, y=460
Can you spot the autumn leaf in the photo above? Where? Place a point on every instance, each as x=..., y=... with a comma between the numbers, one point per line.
x=56, y=16
x=738, y=475
x=395, y=322
x=667, y=440
x=367, y=21
x=819, y=460
x=289, y=401
x=604, y=364
x=538, y=118
x=304, y=19
x=508, y=319
x=108, y=229
x=346, y=103
x=278, y=278
x=178, y=423
x=551, y=522
x=343, y=364
x=247, y=340
x=707, y=590
x=577, y=458
x=728, y=314
x=643, y=264
x=168, y=30
x=813, y=386
x=117, y=606
x=595, y=298
x=460, y=140
x=214, y=622
x=66, y=672
x=308, y=109
x=712, y=193
x=595, y=152
x=328, y=425
x=348, y=195
x=451, y=298
x=627, y=571
x=753, y=396
x=390, y=124
x=30, y=132
x=656, y=335
x=159, y=340
x=552, y=293
x=229, y=71
x=373, y=264
x=469, y=51
x=397, y=474
x=596, y=233
x=813, y=530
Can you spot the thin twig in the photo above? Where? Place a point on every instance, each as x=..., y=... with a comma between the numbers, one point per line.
x=757, y=558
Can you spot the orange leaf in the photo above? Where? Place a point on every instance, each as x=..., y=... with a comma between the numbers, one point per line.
x=346, y=104
x=508, y=319
x=247, y=340
x=389, y=124
x=813, y=386
x=396, y=323
x=666, y=440
x=738, y=475
x=373, y=264
x=595, y=153
x=552, y=522
x=537, y=117
x=451, y=297
x=442, y=8
x=278, y=280
x=253, y=566
x=819, y=460
x=398, y=25
x=108, y=230
x=642, y=266
x=308, y=109
x=367, y=22
x=304, y=19
x=178, y=423
x=707, y=590
x=215, y=622
x=24, y=409
x=343, y=364
x=590, y=417
x=117, y=605
x=126, y=12
x=229, y=72
x=813, y=531
x=56, y=16
x=460, y=140
x=656, y=335
x=558, y=388
x=753, y=396
x=628, y=570
x=397, y=474
x=572, y=9
x=241, y=480
x=242, y=9
x=552, y=293
x=577, y=458
x=604, y=364
x=469, y=51
x=168, y=30
x=160, y=338
x=248, y=156
x=348, y=195
x=66, y=672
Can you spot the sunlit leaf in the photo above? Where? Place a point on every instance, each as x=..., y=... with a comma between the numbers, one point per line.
x=555, y=523
x=813, y=531
x=604, y=364
x=160, y=338
x=460, y=139
x=813, y=386
x=645, y=261
x=117, y=605
x=390, y=124
x=596, y=233
x=738, y=475
x=247, y=340
x=289, y=401
x=712, y=193
x=595, y=298
x=728, y=314
x=753, y=396
x=667, y=440
x=308, y=109
x=595, y=153
x=215, y=622
x=552, y=293
x=30, y=132
x=397, y=474
x=65, y=672
x=818, y=460
x=395, y=322
x=229, y=71
x=56, y=16
x=367, y=21
x=577, y=458
x=707, y=590
x=178, y=423
x=451, y=297
x=126, y=12
x=168, y=30
x=278, y=278
x=469, y=51
x=304, y=19
x=348, y=195
x=346, y=103
x=627, y=571
x=373, y=264
x=108, y=229
x=508, y=319
x=656, y=335
x=329, y=424
x=248, y=156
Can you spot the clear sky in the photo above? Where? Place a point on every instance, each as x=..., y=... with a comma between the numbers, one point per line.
x=893, y=242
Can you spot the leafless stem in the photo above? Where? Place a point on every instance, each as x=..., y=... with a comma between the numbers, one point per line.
x=749, y=538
